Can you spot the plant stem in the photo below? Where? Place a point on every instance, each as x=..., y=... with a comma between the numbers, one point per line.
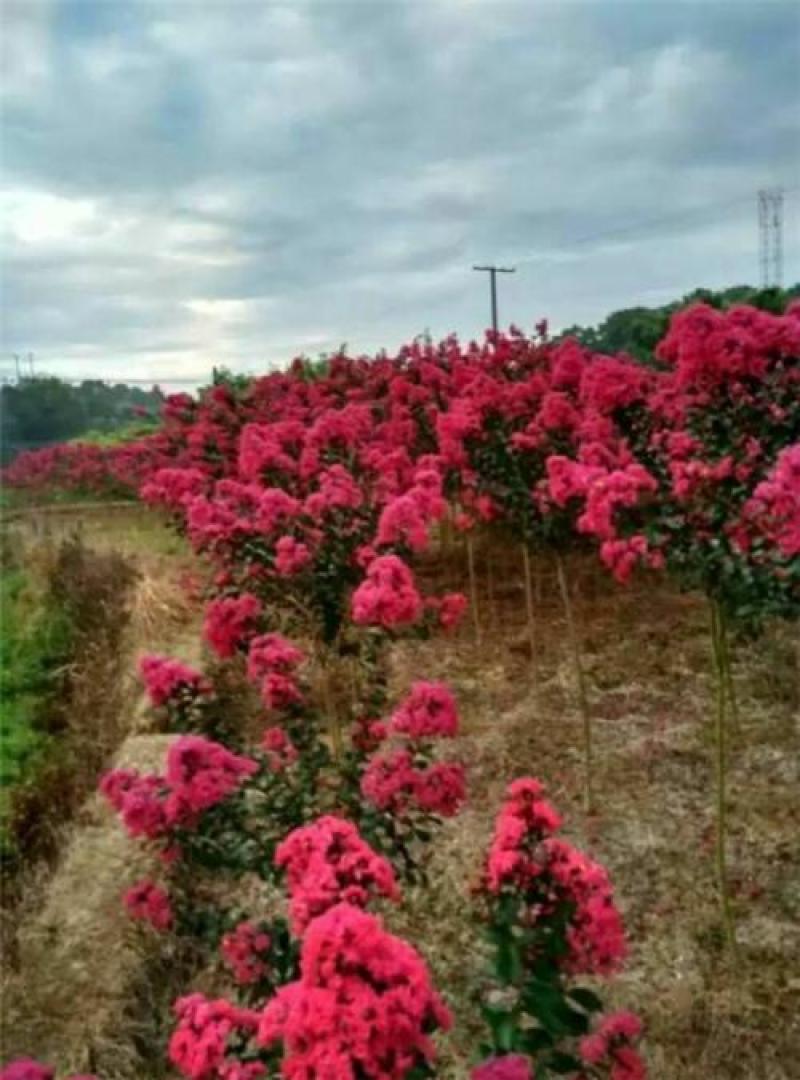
x=473, y=589
x=330, y=709
x=730, y=686
x=718, y=645
x=580, y=682
x=490, y=599
x=526, y=563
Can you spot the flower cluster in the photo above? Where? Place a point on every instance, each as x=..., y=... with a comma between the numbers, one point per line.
x=610, y=1045
x=280, y=751
x=229, y=621
x=28, y=1069
x=388, y=596
x=428, y=712
x=199, y=774
x=146, y=902
x=169, y=682
x=328, y=862
x=549, y=876
x=393, y=783
x=271, y=664
x=404, y=778
x=774, y=508
x=245, y=950
x=199, y=1048
x=506, y=1067
x=362, y=1007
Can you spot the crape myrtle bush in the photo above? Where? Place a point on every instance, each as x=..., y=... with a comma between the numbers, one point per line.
x=312, y=493
x=319, y=987
x=296, y=484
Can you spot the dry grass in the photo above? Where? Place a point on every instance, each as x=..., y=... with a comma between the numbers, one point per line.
x=79, y=961
x=707, y=1016
x=79, y=988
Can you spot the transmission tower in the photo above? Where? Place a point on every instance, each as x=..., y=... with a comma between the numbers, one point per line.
x=770, y=236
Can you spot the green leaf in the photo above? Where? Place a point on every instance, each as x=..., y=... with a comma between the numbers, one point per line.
x=535, y=1039
x=562, y=1064
x=587, y=999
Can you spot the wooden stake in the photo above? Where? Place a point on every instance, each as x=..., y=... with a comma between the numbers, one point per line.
x=490, y=597
x=580, y=682
x=526, y=564
x=473, y=589
x=719, y=652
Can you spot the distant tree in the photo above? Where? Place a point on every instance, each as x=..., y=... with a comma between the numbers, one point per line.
x=222, y=376
x=43, y=409
x=638, y=330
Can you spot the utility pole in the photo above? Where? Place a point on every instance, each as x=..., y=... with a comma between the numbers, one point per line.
x=493, y=271
x=770, y=235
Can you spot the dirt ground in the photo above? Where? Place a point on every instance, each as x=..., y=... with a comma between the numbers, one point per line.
x=708, y=1016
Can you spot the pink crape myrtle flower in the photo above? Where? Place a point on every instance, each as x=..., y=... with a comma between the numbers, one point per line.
x=141, y=802
x=595, y=935
x=622, y=556
x=428, y=712
x=363, y=1006
x=402, y=522
x=238, y=1070
x=451, y=610
x=279, y=748
x=526, y=858
x=388, y=596
x=272, y=652
x=441, y=788
x=389, y=780
x=166, y=680
x=245, y=950
x=507, y=1067
x=279, y=691
x=291, y=556
x=198, y=1047
x=610, y=1045
x=229, y=621
x=775, y=505
x=27, y=1069
x=392, y=783
x=174, y=488
x=201, y=773
x=327, y=862
x=146, y=902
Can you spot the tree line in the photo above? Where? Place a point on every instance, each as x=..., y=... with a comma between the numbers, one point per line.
x=41, y=410
x=637, y=330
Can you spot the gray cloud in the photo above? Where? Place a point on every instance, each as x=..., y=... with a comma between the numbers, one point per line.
x=199, y=183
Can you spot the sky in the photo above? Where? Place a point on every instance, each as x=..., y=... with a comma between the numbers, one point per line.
x=191, y=183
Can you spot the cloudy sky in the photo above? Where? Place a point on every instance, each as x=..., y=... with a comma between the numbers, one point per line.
x=191, y=182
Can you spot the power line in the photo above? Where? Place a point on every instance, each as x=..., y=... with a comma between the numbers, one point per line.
x=648, y=223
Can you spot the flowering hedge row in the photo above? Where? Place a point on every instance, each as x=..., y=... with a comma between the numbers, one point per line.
x=692, y=464
x=312, y=498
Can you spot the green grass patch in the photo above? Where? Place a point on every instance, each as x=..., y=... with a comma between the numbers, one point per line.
x=34, y=646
